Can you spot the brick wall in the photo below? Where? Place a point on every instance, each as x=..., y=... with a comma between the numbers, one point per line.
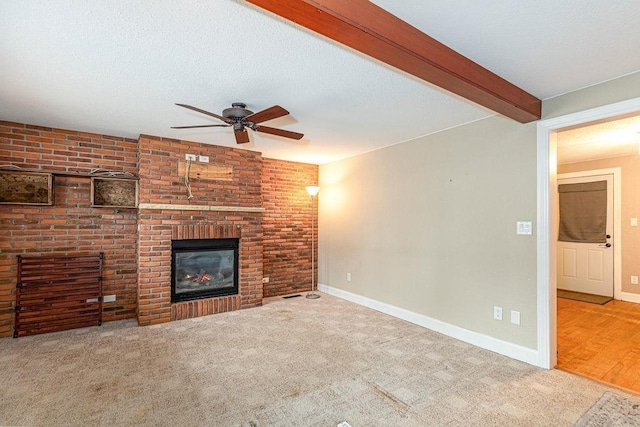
x=286, y=226
x=275, y=243
x=71, y=226
x=160, y=183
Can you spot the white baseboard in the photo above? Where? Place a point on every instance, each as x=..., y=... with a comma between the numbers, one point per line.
x=514, y=351
x=629, y=297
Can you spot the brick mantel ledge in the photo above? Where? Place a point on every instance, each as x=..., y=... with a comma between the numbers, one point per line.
x=169, y=206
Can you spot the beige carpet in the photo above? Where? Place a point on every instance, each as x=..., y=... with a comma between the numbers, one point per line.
x=612, y=410
x=294, y=362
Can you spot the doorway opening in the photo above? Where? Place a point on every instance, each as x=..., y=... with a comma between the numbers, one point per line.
x=547, y=145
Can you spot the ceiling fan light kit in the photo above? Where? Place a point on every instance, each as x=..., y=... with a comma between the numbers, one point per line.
x=241, y=118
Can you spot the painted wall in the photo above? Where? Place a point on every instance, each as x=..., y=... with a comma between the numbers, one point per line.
x=430, y=225
x=630, y=239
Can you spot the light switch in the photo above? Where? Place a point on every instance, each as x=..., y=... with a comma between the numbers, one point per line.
x=634, y=222
x=524, y=228
x=515, y=317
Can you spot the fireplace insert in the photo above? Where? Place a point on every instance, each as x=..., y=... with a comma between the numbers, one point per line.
x=203, y=268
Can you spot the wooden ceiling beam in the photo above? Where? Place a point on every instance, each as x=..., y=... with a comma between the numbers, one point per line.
x=369, y=29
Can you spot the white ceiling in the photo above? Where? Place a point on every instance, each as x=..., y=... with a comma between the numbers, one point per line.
x=117, y=67
x=613, y=138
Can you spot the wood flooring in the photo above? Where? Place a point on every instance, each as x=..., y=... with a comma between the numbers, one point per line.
x=601, y=342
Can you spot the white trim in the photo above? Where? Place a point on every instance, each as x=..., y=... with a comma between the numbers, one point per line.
x=514, y=351
x=629, y=297
x=546, y=177
x=617, y=220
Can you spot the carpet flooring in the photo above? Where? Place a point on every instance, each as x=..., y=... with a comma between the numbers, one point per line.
x=611, y=410
x=291, y=362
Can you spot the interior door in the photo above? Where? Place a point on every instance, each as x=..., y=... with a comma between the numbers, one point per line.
x=588, y=267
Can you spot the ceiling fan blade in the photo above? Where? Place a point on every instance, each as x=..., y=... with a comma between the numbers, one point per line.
x=242, y=136
x=268, y=114
x=280, y=132
x=199, y=126
x=224, y=119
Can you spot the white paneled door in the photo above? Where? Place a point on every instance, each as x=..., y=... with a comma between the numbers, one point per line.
x=588, y=267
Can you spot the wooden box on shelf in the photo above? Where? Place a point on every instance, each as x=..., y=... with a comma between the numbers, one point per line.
x=26, y=188
x=114, y=192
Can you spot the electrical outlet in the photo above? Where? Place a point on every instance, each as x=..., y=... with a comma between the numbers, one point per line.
x=109, y=298
x=348, y=277
x=634, y=222
x=515, y=317
x=634, y=280
x=265, y=280
x=203, y=159
x=497, y=313
x=191, y=157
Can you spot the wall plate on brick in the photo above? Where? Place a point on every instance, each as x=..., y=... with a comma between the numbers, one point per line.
x=265, y=280
x=109, y=298
x=203, y=159
x=191, y=157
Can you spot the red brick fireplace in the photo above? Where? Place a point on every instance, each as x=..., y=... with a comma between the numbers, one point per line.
x=231, y=208
x=154, y=283
x=262, y=202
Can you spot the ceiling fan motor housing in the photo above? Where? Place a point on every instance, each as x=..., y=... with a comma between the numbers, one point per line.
x=238, y=110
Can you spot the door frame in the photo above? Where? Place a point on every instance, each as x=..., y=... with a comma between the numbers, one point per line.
x=617, y=223
x=546, y=216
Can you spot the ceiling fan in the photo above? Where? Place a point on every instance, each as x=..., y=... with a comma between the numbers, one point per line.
x=240, y=118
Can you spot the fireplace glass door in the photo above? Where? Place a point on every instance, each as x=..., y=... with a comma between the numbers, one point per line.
x=204, y=268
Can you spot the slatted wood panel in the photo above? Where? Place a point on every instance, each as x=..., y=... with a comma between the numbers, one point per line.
x=58, y=293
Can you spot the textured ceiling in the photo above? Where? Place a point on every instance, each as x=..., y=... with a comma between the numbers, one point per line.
x=117, y=67
x=614, y=138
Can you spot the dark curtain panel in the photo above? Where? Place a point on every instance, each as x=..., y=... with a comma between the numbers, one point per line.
x=583, y=212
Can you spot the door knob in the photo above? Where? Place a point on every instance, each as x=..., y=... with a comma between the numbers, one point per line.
x=606, y=245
